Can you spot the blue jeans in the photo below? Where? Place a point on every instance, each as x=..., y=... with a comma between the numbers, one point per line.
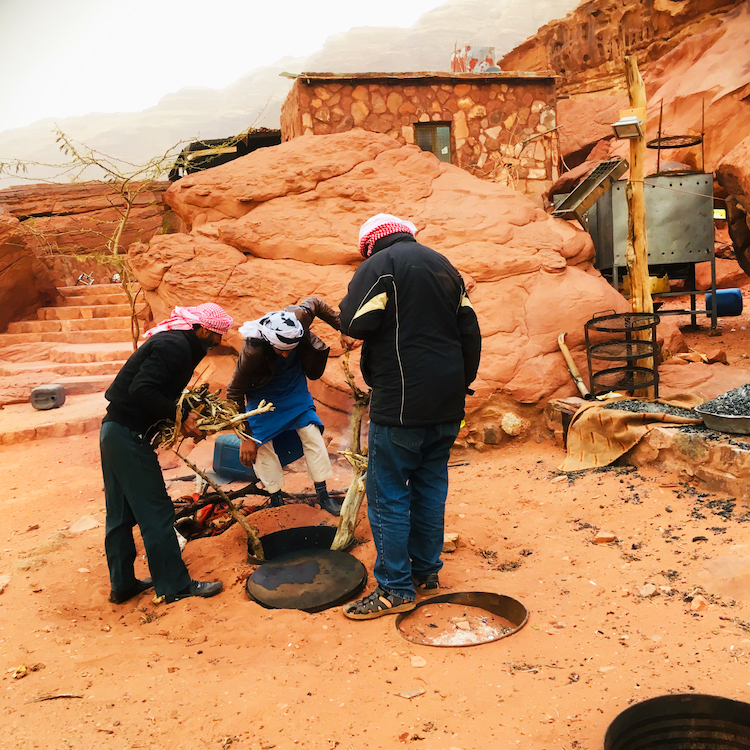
x=407, y=484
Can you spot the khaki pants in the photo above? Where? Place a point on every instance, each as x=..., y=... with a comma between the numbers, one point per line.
x=268, y=467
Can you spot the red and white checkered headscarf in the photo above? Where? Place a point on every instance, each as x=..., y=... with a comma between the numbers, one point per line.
x=380, y=226
x=209, y=315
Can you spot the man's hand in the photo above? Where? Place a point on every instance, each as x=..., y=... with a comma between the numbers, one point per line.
x=347, y=342
x=248, y=452
x=189, y=428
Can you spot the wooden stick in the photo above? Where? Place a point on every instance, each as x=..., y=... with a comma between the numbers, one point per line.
x=256, y=548
x=358, y=460
x=189, y=508
x=53, y=697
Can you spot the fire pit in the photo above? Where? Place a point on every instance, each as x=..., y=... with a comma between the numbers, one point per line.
x=293, y=540
x=681, y=722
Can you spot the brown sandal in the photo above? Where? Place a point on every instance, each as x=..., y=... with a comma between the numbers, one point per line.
x=378, y=603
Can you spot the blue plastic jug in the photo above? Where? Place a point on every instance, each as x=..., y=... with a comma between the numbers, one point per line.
x=728, y=302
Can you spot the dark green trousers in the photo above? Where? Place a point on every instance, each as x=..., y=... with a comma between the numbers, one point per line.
x=135, y=493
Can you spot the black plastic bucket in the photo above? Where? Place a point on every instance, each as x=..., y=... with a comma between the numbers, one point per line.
x=681, y=722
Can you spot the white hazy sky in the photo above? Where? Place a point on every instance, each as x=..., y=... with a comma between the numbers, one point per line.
x=69, y=57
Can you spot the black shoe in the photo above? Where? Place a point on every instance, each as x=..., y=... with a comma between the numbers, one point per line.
x=427, y=582
x=329, y=504
x=196, y=588
x=276, y=499
x=139, y=588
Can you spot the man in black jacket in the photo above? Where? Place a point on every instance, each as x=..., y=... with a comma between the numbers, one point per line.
x=420, y=355
x=144, y=393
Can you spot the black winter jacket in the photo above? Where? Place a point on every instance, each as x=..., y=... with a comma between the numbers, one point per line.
x=421, y=336
x=147, y=387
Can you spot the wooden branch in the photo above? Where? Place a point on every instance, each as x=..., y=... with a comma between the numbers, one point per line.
x=256, y=548
x=189, y=508
x=358, y=460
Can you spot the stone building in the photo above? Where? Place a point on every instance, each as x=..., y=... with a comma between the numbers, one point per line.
x=498, y=126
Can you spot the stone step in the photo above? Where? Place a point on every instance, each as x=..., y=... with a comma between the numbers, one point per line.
x=73, y=312
x=95, y=298
x=81, y=290
x=71, y=337
x=76, y=385
x=79, y=324
x=22, y=422
x=104, y=352
x=48, y=369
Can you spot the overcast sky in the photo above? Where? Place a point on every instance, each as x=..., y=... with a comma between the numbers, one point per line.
x=70, y=57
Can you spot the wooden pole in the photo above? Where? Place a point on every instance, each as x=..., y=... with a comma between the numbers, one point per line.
x=637, y=248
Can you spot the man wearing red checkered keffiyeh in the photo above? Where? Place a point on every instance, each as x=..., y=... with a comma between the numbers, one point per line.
x=143, y=395
x=208, y=315
x=379, y=226
x=420, y=354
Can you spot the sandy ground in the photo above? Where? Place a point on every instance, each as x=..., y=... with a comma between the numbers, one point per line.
x=225, y=672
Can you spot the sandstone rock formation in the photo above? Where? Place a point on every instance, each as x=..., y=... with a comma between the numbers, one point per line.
x=280, y=224
x=65, y=219
x=25, y=284
x=690, y=53
x=693, y=58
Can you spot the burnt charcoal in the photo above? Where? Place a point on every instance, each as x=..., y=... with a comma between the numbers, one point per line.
x=734, y=403
x=646, y=407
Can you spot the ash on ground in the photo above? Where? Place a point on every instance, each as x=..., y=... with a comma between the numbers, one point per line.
x=734, y=403
x=450, y=624
x=647, y=407
x=708, y=434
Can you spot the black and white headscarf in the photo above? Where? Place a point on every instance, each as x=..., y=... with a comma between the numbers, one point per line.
x=280, y=329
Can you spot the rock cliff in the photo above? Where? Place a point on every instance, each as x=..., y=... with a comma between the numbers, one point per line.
x=692, y=54
x=25, y=284
x=693, y=58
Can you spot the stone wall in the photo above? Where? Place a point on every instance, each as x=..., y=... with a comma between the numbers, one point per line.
x=500, y=123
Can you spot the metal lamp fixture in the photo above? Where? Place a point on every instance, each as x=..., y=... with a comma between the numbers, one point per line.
x=629, y=126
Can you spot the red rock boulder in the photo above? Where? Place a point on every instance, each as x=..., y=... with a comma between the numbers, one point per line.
x=280, y=224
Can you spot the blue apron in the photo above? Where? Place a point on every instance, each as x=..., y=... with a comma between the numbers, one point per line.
x=293, y=406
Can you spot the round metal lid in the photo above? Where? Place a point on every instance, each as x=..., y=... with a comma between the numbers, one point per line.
x=467, y=618
x=311, y=580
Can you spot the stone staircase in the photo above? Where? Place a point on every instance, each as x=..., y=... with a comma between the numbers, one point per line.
x=80, y=344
